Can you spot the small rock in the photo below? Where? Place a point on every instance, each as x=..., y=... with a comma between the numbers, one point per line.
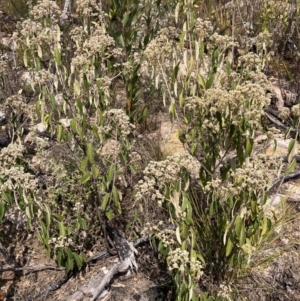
x=274, y=200
x=2, y=116
x=26, y=80
x=293, y=192
x=290, y=98
x=65, y=122
x=170, y=143
x=41, y=128
x=261, y=138
x=277, y=95
x=29, y=138
x=59, y=99
x=279, y=149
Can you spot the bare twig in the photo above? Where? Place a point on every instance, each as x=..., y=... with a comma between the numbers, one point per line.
x=98, y=281
x=286, y=178
x=96, y=286
x=65, y=11
x=32, y=268
x=279, y=123
x=51, y=288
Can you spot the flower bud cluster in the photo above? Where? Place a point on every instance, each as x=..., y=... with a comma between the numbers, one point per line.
x=117, y=124
x=61, y=242
x=160, y=173
x=180, y=260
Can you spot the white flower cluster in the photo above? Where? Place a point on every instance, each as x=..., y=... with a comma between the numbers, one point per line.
x=89, y=46
x=86, y=8
x=203, y=29
x=263, y=41
x=61, y=242
x=159, y=173
x=135, y=157
x=296, y=110
x=225, y=292
x=192, y=103
x=78, y=35
x=166, y=236
x=97, y=42
x=45, y=78
x=15, y=177
x=34, y=34
x=254, y=176
x=285, y=113
x=16, y=105
x=78, y=206
x=118, y=124
x=80, y=61
x=10, y=154
x=12, y=174
x=250, y=60
x=45, y=9
x=179, y=260
x=222, y=41
x=161, y=48
x=246, y=101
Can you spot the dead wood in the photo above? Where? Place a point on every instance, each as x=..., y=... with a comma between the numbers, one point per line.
x=286, y=178
x=279, y=123
x=95, y=287
x=33, y=268
x=51, y=288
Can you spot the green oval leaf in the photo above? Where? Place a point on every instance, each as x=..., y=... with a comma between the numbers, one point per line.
x=59, y=133
x=110, y=174
x=95, y=171
x=2, y=211
x=62, y=230
x=242, y=236
x=109, y=214
x=202, y=81
x=85, y=177
x=57, y=56
x=105, y=200
x=78, y=259
x=266, y=226
x=90, y=152
x=25, y=58
x=238, y=225
x=229, y=246
x=249, y=146
x=291, y=146
x=292, y=150
x=125, y=19
x=83, y=164
x=291, y=167
x=40, y=52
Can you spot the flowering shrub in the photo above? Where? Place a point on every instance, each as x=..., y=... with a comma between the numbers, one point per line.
x=71, y=81
x=221, y=219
